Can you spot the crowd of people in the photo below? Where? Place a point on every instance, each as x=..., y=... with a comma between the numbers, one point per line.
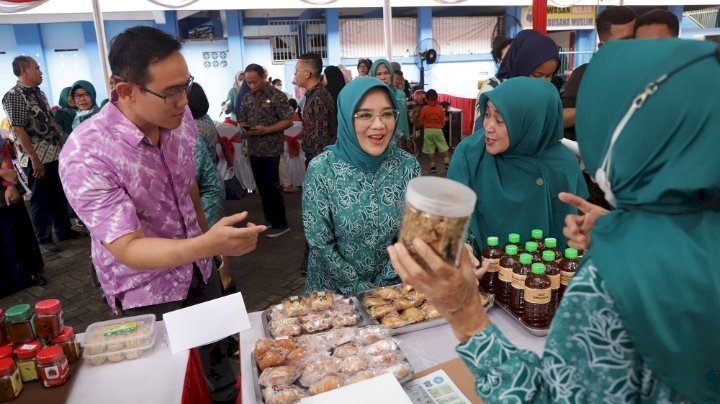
x=140, y=173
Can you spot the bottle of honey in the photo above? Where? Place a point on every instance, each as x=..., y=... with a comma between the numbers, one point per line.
x=551, y=245
x=537, y=298
x=517, y=298
x=514, y=239
x=491, y=253
x=531, y=248
x=536, y=235
x=552, y=270
x=568, y=266
x=503, y=286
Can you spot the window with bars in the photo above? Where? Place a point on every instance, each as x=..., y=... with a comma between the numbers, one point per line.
x=292, y=38
x=464, y=35
x=365, y=38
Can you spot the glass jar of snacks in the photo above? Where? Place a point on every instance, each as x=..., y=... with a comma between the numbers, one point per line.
x=66, y=340
x=53, y=366
x=18, y=321
x=49, y=320
x=437, y=211
x=26, y=362
x=10, y=381
x=3, y=333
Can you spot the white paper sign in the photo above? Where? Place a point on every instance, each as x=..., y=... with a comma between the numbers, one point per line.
x=381, y=389
x=435, y=388
x=206, y=322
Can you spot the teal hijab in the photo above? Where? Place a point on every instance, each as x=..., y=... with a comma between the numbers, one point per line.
x=65, y=115
x=63, y=101
x=658, y=251
x=80, y=115
x=347, y=147
x=403, y=126
x=517, y=189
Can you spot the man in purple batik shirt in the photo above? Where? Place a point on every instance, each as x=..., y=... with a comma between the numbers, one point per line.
x=129, y=174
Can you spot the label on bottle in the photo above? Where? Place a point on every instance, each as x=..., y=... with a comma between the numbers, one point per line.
x=505, y=274
x=518, y=281
x=494, y=264
x=554, y=281
x=565, y=277
x=28, y=370
x=537, y=296
x=16, y=382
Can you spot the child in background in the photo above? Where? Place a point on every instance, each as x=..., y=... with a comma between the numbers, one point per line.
x=432, y=119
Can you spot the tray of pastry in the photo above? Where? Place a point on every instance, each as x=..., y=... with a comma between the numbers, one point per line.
x=402, y=309
x=321, y=311
x=287, y=369
x=539, y=332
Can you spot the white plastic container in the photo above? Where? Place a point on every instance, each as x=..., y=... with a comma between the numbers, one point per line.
x=119, y=339
x=437, y=211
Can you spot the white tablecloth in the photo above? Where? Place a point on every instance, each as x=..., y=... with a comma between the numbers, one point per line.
x=424, y=348
x=156, y=377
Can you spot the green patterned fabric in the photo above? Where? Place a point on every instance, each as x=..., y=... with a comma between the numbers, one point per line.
x=208, y=182
x=589, y=356
x=350, y=217
x=658, y=251
x=517, y=189
x=65, y=114
x=403, y=126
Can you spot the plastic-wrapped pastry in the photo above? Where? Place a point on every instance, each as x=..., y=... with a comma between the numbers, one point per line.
x=384, y=345
x=386, y=293
x=406, y=288
x=372, y=301
x=368, y=335
x=317, y=367
x=285, y=342
x=314, y=343
x=360, y=376
x=277, y=312
x=315, y=323
x=343, y=320
x=399, y=370
x=353, y=364
x=343, y=307
x=273, y=357
x=285, y=329
x=115, y=356
x=429, y=311
x=345, y=350
x=339, y=336
x=414, y=296
x=278, y=375
x=295, y=306
x=321, y=301
x=261, y=346
x=380, y=311
x=412, y=315
x=327, y=383
x=402, y=304
x=283, y=394
x=384, y=360
x=297, y=357
x=393, y=321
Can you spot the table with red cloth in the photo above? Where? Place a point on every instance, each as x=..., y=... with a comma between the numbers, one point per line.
x=467, y=104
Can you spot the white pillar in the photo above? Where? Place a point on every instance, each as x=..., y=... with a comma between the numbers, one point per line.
x=102, y=44
x=387, y=28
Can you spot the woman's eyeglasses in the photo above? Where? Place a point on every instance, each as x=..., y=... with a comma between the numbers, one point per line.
x=387, y=117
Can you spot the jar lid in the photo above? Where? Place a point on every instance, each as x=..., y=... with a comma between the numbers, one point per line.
x=67, y=334
x=50, y=354
x=48, y=306
x=441, y=196
x=18, y=312
x=28, y=350
x=6, y=351
x=6, y=366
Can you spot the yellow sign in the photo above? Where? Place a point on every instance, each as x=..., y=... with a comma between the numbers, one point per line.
x=563, y=18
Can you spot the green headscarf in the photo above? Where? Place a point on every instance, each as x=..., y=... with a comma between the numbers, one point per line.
x=403, y=127
x=347, y=146
x=81, y=115
x=517, y=189
x=65, y=115
x=658, y=251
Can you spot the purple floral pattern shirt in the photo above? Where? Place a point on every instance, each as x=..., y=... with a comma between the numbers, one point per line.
x=119, y=182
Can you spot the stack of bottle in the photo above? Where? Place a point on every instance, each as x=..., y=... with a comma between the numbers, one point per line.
x=34, y=345
x=529, y=280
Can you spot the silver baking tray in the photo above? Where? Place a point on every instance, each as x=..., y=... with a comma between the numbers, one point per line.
x=256, y=376
x=539, y=332
x=363, y=318
x=411, y=327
